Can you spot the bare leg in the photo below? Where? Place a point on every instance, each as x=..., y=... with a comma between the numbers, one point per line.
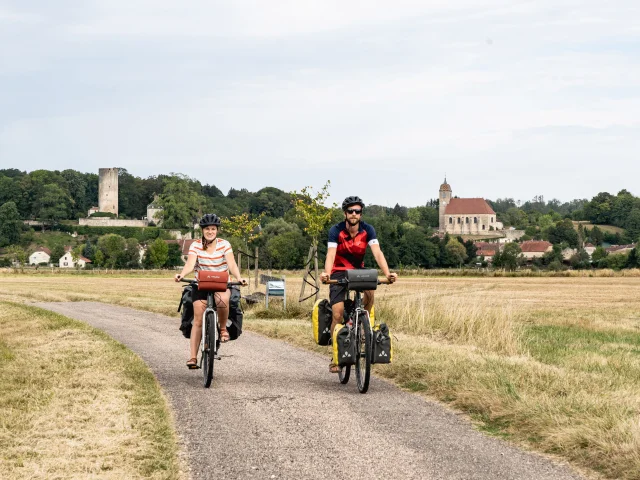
x=368, y=300
x=199, y=307
x=337, y=311
x=222, y=304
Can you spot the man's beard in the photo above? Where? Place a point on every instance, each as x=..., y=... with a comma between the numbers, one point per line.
x=353, y=221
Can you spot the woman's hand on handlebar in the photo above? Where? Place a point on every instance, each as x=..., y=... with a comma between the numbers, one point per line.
x=178, y=277
x=244, y=282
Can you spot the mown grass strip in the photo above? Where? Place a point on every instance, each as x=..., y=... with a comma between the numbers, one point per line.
x=75, y=403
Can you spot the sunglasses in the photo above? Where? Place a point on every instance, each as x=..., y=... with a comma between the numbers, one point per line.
x=357, y=211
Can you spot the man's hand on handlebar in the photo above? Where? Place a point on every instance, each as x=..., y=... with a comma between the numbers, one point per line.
x=324, y=277
x=392, y=277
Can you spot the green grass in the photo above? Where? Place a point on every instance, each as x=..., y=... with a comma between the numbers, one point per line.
x=82, y=404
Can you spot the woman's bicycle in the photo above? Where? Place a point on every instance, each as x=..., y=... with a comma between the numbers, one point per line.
x=356, y=318
x=210, y=343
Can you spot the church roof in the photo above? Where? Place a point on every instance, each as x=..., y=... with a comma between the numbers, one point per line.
x=445, y=187
x=464, y=206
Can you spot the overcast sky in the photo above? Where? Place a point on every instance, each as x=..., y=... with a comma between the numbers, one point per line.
x=509, y=98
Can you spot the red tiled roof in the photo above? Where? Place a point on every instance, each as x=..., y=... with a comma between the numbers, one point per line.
x=485, y=253
x=184, y=245
x=67, y=248
x=464, y=206
x=43, y=249
x=588, y=245
x=445, y=187
x=486, y=245
x=84, y=258
x=535, y=246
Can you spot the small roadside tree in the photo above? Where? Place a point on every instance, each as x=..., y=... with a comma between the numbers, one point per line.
x=309, y=207
x=158, y=253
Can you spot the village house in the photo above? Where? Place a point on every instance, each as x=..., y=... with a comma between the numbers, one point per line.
x=589, y=248
x=66, y=261
x=535, y=248
x=487, y=250
x=464, y=215
x=41, y=255
x=617, y=249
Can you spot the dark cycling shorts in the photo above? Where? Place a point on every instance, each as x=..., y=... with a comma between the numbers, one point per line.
x=337, y=292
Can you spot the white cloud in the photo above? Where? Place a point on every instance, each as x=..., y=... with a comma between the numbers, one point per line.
x=410, y=86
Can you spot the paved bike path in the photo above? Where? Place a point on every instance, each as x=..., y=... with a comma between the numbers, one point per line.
x=274, y=411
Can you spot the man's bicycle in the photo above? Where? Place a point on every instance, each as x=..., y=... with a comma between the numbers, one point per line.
x=210, y=343
x=356, y=318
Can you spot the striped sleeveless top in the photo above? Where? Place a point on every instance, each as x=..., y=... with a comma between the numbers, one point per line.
x=211, y=261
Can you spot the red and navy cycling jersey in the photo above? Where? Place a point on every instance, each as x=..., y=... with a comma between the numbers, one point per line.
x=350, y=251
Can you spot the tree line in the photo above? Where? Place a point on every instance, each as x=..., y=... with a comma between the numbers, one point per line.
x=280, y=234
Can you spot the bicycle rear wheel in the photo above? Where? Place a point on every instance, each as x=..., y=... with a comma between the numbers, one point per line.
x=209, y=349
x=363, y=351
x=344, y=374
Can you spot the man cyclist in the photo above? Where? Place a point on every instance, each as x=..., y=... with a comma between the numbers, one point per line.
x=347, y=245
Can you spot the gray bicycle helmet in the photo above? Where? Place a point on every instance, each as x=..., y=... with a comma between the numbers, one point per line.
x=353, y=200
x=209, y=219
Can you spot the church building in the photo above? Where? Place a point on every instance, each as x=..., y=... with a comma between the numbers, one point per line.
x=460, y=216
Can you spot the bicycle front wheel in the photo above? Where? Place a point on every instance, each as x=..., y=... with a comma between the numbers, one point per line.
x=363, y=351
x=344, y=374
x=209, y=349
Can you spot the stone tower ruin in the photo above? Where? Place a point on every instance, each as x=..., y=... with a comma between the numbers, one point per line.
x=108, y=190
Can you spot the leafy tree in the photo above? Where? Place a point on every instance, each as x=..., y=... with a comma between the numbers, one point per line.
x=564, y=232
x=98, y=258
x=130, y=258
x=243, y=227
x=286, y=250
x=113, y=248
x=632, y=224
x=174, y=256
x=580, y=259
x=181, y=201
x=596, y=235
x=158, y=253
x=88, y=250
x=598, y=210
x=17, y=254
x=633, y=260
x=456, y=251
x=53, y=204
x=10, y=224
x=509, y=258
x=57, y=252
x=598, y=254
x=413, y=247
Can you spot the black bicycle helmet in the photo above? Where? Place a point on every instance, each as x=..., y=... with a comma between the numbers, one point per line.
x=353, y=200
x=209, y=219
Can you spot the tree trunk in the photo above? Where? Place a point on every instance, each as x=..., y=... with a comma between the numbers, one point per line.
x=306, y=273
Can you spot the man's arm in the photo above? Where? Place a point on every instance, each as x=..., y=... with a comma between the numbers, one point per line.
x=382, y=262
x=328, y=263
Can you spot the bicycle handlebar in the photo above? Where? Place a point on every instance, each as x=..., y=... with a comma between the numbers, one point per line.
x=384, y=281
x=230, y=284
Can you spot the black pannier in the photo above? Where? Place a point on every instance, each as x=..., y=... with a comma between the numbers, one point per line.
x=344, y=346
x=382, y=349
x=362, y=279
x=234, y=323
x=186, y=305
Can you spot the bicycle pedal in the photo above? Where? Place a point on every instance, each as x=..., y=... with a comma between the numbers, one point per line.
x=218, y=357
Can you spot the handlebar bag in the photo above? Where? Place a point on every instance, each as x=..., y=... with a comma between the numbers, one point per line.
x=210, y=281
x=363, y=279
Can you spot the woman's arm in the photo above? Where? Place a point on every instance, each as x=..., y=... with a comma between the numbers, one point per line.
x=188, y=267
x=233, y=266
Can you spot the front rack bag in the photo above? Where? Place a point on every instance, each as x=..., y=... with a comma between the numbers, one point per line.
x=362, y=279
x=210, y=281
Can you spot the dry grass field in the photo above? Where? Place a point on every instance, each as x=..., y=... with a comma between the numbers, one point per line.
x=550, y=363
x=76, y=404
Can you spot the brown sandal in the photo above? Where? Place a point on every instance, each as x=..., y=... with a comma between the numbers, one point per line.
x=192, y=363
x=224, y=336
x=333, y=368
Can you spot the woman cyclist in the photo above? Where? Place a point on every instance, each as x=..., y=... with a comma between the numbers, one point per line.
x=210, y=253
